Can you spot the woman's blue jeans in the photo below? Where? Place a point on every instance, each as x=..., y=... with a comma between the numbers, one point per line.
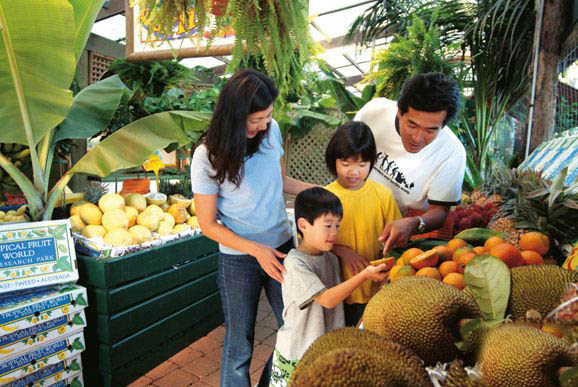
x=240, y=281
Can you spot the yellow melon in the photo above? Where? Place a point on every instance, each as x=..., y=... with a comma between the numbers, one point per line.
x=115, y=219
x=131, y=214
x=111, y=201
x=93, y=231
x=76, y=223
x=179, y=213
x=118, y=237
x=137, y=201
x=140, y=234
x=90, y=214
x=148, y=219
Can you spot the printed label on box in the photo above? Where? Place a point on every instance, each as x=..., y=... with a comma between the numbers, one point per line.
x=36, y=254
x=29, y=309
x=63, y=371
x=24, y=340
x=18, y=367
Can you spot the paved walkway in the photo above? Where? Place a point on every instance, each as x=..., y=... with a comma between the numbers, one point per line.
x=200, y=363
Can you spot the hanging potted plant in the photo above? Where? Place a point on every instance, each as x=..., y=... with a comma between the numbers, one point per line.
x=218, y=7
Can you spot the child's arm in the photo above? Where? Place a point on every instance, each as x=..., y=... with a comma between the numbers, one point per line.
x=333, y=296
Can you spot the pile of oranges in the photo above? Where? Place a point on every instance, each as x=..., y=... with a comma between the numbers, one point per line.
x=447, y=263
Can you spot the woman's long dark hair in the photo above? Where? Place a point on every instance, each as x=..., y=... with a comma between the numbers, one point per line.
x=248, y=91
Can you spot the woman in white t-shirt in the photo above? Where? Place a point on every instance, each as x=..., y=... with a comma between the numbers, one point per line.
x=237, y=173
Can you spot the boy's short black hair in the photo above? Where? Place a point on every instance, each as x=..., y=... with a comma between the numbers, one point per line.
x=314, y=202
x=430, y=92
x=353, y=139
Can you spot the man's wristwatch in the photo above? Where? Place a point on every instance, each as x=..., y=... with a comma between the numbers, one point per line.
x=421, y=226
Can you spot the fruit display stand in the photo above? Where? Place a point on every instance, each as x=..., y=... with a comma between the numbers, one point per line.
x=147, y=306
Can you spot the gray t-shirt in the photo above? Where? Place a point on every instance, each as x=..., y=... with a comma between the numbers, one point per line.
x=255, y=210
x=304, y=319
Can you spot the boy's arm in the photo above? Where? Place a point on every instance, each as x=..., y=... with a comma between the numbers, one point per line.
x=335, y=295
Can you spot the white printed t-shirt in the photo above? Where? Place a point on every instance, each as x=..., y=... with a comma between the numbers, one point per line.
x=433, y=175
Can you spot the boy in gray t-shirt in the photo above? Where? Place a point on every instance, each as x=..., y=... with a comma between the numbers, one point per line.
x=312, y=288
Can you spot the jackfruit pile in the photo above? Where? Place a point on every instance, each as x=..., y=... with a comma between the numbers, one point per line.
x=130, y=220
x=422, y=314
x=350, y=356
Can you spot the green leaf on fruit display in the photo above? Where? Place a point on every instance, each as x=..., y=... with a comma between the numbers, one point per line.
x=77, y=320
x=472, y=330
x=557, y=187
x=74, y=366
x=80, y=300
x=55, y=268
x=7, y=273
x=33, y=269
x=77, y=345
x=39, y=232
x=488, y=279
x=76, y=383
x=62, y=248
x=64, y=264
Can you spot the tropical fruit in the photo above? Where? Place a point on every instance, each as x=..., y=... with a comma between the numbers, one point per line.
x=509, y=254
x=131, y=214
x=476, y=235
x=155, y=210
x=389, y=261
x=429, y=258
x=118, y=237
x=140, y=234
x=422, y=314
x=137, y=201
x=456, y=280
x=180, y=199
x=538, y=287
x=156, y=198
x=480, y=250
x=111, y=201
x=409, y=254
x=193, y=221
x=430, y=272
x=402, y=366
x=535, y=241
x=178, y=212
x=192, y=209
x=165, y=228
x=461, y=251
x=458, y=376
x=90, y=214
x=455, y=244
x=75, y=207
x=115, y=218
x=148, y=219
x=76, y=223
x=444, y=252
x=451, y=267
x=400, y=271
x=493, y=241
x=93, y=231
x=180, y=228
x=521, y=355
x=532, y=258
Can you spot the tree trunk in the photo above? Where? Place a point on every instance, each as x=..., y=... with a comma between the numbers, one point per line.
x=555, y=22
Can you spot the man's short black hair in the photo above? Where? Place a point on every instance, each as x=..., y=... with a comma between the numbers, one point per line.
x=314, y=202
x=430, y=92
x=353, y=139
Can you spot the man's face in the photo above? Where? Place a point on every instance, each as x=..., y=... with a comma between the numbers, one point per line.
x=418, y=129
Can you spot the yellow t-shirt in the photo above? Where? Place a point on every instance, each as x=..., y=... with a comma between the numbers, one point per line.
x=365, y=214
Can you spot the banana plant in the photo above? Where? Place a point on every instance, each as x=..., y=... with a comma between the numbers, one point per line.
x=37, y=108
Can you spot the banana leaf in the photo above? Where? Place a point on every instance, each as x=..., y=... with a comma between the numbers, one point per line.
x=37, y=65
x=85, y=13
x=93, y=108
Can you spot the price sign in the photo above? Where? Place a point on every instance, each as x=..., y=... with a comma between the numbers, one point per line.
x=154, y=164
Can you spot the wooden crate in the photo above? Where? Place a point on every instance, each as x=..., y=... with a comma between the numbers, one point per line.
x=147, y=306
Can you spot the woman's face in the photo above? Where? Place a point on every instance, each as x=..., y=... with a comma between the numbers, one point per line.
x=259, y=121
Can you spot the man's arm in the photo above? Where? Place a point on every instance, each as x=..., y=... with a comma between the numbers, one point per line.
x=397, y=233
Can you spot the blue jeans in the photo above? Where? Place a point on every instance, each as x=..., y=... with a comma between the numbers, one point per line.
x=240, y=281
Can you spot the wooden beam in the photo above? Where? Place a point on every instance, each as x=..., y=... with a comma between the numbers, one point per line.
x=115, y=7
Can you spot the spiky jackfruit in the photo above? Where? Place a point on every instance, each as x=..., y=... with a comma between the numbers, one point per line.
x=369, y=342
x=458, y=377
x=422, y=314
x=538, y=287
x=521, y=355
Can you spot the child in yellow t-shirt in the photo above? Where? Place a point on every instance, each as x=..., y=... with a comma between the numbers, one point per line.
x=367, y=207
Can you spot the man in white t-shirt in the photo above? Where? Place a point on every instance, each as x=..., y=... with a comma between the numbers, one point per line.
x=419, y=158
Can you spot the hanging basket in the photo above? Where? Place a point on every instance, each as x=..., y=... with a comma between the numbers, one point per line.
x=219, y=7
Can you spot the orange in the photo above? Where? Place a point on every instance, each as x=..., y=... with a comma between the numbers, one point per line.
x=456, y=244
x=451, y=267
x=400, y=271
x=461, y=251
x=532, y=258
x=465, y=258
x=428, y=259
x=480, y=250
x=409, y=254
x=493, y=241
x=431, y=272
x=444, y=252
x=535, y=241
x=509, y=254
x=455, y=279
x=399, y=262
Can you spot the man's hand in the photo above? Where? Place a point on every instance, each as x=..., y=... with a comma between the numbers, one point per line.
x=267, y=258
x=350, y=258
x=397, y=233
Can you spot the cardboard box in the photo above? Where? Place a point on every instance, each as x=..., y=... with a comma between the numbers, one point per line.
x=42, y=357
x=36, y=254
x=63, y=371
x=32, y=307
x=25, y=340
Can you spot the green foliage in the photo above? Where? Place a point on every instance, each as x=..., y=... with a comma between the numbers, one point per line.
x=566, y=115
x=182, y=186
x=418, y=51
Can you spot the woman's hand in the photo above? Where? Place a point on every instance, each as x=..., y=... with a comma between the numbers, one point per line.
x=349, y=257
x=267, y=258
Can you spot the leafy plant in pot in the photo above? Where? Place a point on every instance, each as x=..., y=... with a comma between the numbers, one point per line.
x=37, y=108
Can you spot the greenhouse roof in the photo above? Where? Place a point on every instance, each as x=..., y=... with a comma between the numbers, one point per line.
x=330, y=21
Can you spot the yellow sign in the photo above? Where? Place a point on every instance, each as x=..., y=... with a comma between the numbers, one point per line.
x=154, y=164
